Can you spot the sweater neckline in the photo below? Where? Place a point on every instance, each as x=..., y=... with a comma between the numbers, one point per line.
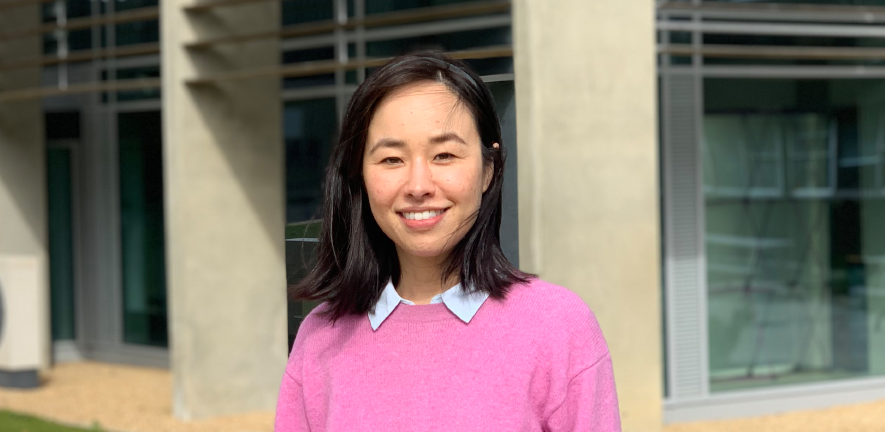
x=422, y=313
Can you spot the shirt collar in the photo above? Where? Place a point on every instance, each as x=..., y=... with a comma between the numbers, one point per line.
x=464, y=305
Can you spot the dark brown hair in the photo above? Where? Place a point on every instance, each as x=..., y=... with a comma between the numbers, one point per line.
x=355, y=259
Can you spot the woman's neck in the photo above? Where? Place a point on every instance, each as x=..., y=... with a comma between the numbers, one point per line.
x=419, y=278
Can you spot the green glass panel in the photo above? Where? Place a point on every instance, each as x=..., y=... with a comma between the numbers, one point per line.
x=142, y=226
x=61, y=243
x=794, y=190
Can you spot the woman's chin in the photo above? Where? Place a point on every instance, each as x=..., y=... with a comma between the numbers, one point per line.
x=427, y=253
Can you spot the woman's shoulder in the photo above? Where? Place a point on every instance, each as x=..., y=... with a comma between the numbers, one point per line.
x=557, y=311
x=549, y=298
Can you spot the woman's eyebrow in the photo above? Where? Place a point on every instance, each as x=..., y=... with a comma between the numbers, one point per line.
x=448, y=136
x=388, y=143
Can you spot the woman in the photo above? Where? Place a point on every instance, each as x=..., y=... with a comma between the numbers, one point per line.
x=424, y=323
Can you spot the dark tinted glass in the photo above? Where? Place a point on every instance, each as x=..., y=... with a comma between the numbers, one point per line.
x=137, y=32
x=142, y=229
x=312, y=54
x=380, y=6
x=136, y=73
x=309, y=129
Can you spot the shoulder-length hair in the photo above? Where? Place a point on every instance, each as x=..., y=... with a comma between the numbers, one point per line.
x=355, y=259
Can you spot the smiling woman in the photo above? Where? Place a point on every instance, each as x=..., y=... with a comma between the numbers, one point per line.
x=417, y=295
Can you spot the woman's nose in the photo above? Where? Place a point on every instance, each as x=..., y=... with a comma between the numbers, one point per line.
x=420, y=182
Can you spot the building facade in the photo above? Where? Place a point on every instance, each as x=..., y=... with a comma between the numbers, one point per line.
x=708, y=176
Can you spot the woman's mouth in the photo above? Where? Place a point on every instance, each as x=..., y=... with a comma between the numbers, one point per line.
x=422, y=220
x=429, y=214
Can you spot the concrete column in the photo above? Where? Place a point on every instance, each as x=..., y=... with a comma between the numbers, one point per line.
x=588, y=176
x=223, y=155
x=24, y=281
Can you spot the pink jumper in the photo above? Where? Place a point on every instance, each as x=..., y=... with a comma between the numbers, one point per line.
x=536, y=361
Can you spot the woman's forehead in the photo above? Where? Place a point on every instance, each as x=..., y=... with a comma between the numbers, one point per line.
x=424, y=108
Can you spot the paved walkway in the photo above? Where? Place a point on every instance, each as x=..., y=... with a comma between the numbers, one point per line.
x=135, y=399
x=118, y=398
x=869, y=417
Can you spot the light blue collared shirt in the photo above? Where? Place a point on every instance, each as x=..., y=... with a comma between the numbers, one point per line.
x=459, y=302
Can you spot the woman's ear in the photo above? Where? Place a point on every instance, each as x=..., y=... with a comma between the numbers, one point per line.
x=488, y=172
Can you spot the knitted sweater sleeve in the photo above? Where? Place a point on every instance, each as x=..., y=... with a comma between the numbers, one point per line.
x=292, y=415
x=583, y=394
x=590, y=403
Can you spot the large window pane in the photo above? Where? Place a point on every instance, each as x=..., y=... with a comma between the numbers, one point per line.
x=61, y=244
x=142, y=226
x=795, y=199
x=62, y=132
x=309, y=130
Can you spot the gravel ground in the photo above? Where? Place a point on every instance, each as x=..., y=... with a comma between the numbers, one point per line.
x=135, y=399
x=118, y=398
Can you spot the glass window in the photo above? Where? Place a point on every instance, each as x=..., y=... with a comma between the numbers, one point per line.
x=142, y=225
x=381, y=6
x=73, y=9
x=136, y=73
x=309, y=129
x=456, y=41
x=303, y=11
x=794, y=198
x=444, y=42
x=61, y=127
x=306, y=55
x=137, y=32
x=80, y=39
x=122, y=5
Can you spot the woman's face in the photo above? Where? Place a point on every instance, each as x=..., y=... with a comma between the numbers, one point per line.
x=423, y=169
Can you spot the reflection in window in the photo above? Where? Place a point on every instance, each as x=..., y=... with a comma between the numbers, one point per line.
x=795, y=244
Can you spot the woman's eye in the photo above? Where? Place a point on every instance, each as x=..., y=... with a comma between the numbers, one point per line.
x=444, y=156
x=390, y=160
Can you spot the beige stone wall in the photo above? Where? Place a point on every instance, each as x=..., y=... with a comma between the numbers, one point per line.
x=223, y=152
x=588, y=176
x=23, y=221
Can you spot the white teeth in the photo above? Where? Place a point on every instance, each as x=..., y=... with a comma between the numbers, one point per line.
x=422, y=215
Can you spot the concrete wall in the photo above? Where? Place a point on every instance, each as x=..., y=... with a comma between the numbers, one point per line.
x=588, y=176
x=23, y=222
x=224, y=212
